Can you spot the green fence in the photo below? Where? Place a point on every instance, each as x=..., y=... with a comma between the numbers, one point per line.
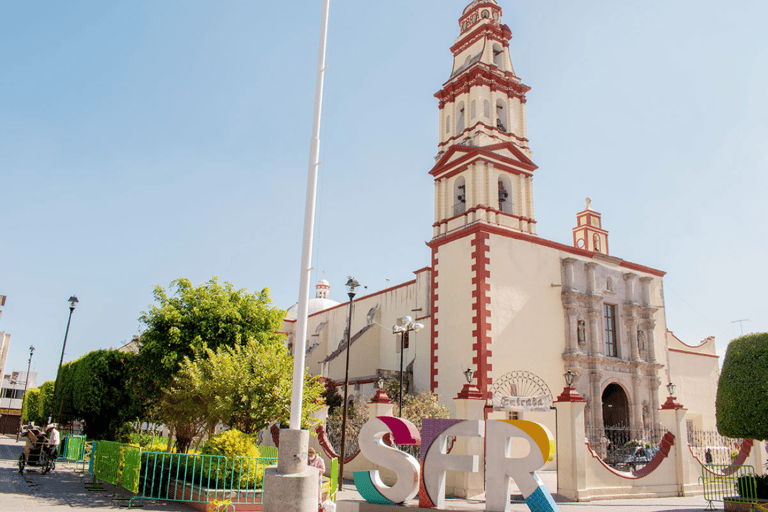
x=737, y=483
x=202, y=479
x=72, y=449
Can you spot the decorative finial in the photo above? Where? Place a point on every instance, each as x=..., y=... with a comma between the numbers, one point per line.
x=589, y=204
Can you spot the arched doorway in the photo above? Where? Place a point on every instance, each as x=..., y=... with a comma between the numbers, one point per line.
x=616, y=415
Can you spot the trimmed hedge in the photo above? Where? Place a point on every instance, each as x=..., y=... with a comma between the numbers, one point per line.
x=742, y=392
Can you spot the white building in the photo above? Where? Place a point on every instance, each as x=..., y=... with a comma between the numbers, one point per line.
x=11, y=399
x=517, y=309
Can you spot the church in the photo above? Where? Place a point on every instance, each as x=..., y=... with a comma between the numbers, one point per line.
x=507, y=314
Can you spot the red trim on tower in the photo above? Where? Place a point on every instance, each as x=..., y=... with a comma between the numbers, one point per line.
x=482, y=74
x=485, y=129
x=481, y=320
x=489, y=152
x=498, y=32
x=520, y=235
x=433, y=325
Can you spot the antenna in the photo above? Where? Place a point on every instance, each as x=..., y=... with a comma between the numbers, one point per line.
x=741, y=324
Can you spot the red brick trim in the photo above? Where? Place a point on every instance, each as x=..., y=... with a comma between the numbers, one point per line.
x=486, y=128
x=511, y=233
x=481, y=319
x=433, y=325
x=488, y=152
x=386, y=290
x=693, y=353
x=417, y=272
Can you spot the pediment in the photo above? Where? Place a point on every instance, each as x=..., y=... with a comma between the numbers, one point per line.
x=506, y=153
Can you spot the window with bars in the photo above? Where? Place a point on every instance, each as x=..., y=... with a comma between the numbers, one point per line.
x=611, y=334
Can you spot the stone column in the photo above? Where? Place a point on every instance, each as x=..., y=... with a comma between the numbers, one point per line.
x=569, y=283
x=634, y=354
x=655, y=383
x=590, y=270
x=596, y=403
x=571, y=340
x=571, y=452
x=595, y=347
x=645, y=291
x=637, y=402
x=649, y=339
x=630, y=279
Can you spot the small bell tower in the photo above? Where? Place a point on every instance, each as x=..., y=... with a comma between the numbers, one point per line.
x=483, y=169
x=589, y=233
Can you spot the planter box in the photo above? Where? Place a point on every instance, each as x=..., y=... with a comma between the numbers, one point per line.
x=738, y=504
x=199, y=497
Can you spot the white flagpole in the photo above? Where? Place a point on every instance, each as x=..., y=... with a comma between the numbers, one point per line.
x=299, y=345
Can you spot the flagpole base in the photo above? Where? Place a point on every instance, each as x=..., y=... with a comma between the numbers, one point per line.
x=292, y=485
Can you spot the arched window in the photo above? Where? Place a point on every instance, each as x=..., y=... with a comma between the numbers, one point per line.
x=460, y=195
x=473, y=109
x=596, y=242
x=460, y=118
x=501, y=115
x=498, y=56
x=506, y=198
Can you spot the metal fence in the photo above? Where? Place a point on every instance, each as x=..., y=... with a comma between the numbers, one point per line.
x=210, y=479
x=625, y=448
x=724, y=481
x=712, y=448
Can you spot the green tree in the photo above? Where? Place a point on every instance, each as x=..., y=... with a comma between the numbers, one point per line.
x=742, y=392
x=96, y=388
x=44, y=399
x=188, y=319
x=31, y=410
x=246, y=386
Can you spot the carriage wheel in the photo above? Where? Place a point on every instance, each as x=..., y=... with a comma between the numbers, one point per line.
x=22, y=463
x=47, y=465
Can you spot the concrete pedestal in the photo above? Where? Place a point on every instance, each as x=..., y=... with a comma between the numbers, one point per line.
x=467, y=485
x=571, y=452
x=292, y=486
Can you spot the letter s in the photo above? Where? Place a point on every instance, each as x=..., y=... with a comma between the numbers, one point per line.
x=405, y=466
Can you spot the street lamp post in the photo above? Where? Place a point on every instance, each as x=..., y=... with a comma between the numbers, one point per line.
x=72, y=301
x=26, y=383
x=406, y=325
x=351, y=285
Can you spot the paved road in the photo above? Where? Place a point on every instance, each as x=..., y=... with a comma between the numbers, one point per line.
x=62, y=490
x=58, y=491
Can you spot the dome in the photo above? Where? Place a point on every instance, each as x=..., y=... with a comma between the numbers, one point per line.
x=319, y=303
x=314, y=306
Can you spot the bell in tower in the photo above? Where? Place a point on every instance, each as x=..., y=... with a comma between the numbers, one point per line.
x=483, y=169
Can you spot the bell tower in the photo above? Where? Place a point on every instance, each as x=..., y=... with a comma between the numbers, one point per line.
x=483, y=169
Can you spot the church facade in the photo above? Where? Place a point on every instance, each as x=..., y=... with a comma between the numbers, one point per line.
x=499, y=300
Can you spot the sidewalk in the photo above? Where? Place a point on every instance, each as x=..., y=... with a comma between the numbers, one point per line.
x=58, y=491
x=62, y=490
x=351, y=498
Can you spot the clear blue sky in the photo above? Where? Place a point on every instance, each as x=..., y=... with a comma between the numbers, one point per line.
x=144, y=141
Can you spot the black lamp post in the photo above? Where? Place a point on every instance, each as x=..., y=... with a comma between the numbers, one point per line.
x=26, y=383
x=468, y=374
x=406, y=325
x=351, y=285
x=72, y=301
x=671, y=389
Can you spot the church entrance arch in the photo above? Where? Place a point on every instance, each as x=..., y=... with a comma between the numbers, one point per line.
x=616, y=415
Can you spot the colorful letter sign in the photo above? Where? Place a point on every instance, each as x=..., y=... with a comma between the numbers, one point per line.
x=500, y=466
